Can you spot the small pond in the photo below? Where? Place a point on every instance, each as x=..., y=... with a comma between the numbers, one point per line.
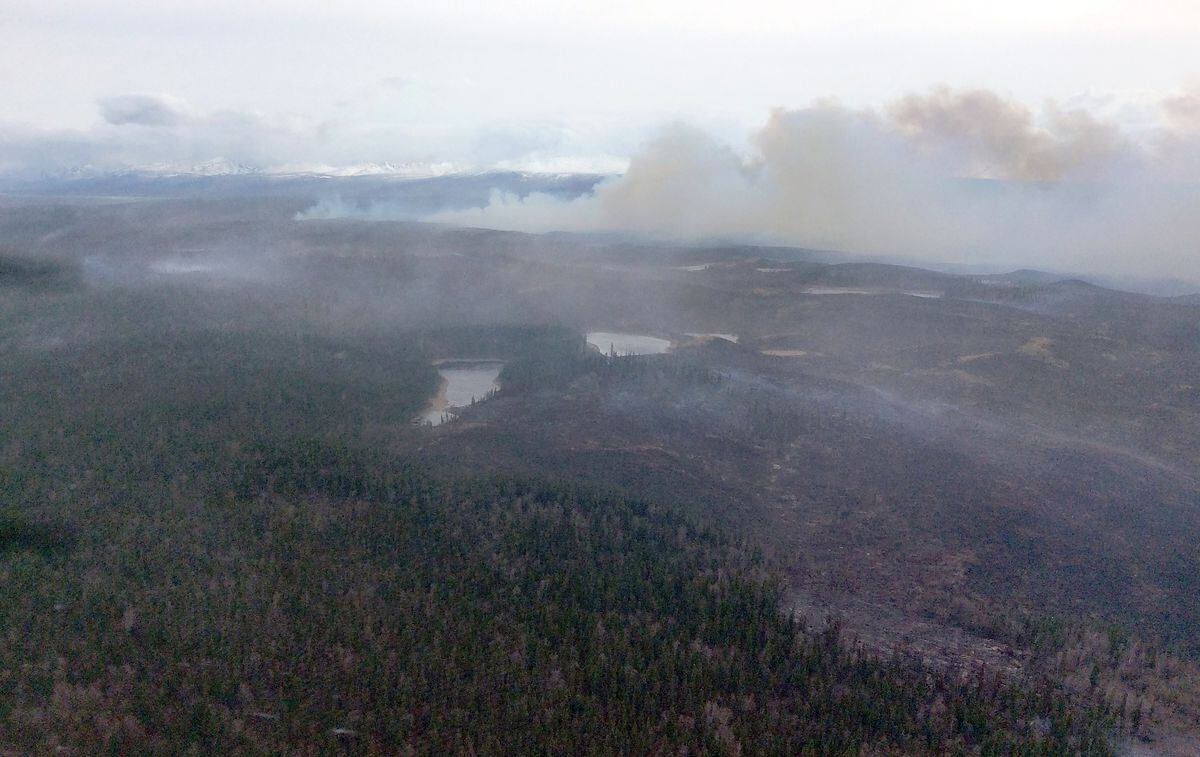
x=627, y=344
x=462, y=382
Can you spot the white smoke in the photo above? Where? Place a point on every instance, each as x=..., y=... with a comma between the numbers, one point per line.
x=949, y=177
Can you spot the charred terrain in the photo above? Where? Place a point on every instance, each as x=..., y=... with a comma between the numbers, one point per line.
x=854, y=507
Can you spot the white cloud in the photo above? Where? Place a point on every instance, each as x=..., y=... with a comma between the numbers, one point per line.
x=140, y=130
x=143, y=110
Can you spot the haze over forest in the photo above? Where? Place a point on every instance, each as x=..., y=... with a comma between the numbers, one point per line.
x=642, y=377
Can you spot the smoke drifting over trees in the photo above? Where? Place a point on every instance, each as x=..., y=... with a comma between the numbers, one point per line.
x=953, y=177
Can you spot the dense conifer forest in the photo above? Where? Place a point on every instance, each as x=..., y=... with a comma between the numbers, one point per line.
x=222, y=531
x=334, y=597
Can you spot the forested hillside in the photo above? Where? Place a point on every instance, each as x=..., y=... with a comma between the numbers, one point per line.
x=221, y=529
x=335, y=597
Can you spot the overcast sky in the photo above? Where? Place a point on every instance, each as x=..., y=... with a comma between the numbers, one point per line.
x=573, y=84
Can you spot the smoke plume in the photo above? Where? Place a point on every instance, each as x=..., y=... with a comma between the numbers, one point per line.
x=952, y=177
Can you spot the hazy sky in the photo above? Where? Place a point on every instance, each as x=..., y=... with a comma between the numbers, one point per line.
x=577, y=83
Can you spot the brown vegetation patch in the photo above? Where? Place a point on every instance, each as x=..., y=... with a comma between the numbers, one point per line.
x=1039, y=347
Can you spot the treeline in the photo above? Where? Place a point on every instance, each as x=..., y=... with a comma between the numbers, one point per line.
x=534, y=355
x=498, y=341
